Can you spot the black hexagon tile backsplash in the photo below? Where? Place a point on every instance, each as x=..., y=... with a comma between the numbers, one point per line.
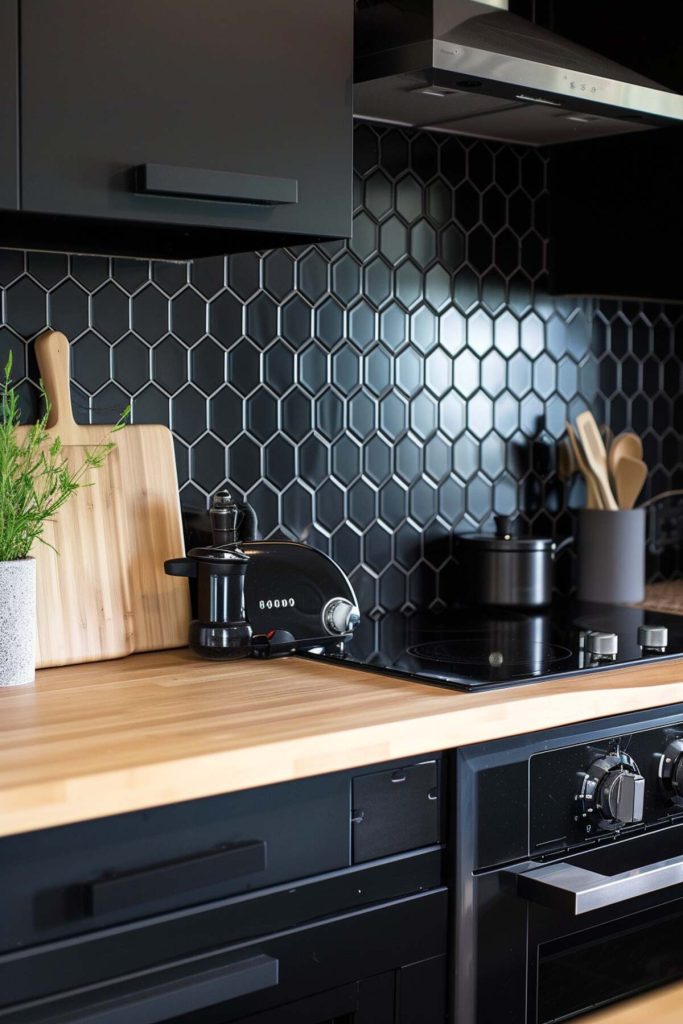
x=370, y=397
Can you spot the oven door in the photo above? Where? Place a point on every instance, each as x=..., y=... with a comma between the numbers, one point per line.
x=574, y=934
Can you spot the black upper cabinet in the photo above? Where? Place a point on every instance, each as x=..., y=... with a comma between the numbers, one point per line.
x=615, y=217
x=162, y=128
x=9, y=106
x=615, y=214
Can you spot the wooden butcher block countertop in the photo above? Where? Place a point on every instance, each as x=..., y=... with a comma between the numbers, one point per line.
x=108, y=737
x=663, y=1006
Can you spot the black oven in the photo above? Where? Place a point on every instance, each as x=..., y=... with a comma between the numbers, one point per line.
x=569, y=869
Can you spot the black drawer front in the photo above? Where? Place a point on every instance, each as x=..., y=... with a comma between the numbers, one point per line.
x=95, y=874
x=275, y=969
x=49, y=969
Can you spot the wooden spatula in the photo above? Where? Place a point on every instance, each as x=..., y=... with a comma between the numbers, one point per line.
x=593, y=499
x=629, y=478
x=596, y=456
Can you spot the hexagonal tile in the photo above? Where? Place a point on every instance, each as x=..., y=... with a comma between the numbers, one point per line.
x=438, y=372
x=466, y=373
x=362, y=500
x=329, y=322
x=90, y=362
x=438, y=458
x=452, y=415
x=244, y=463
x=378, y=194
x=131, y=363
x=244, y=274
x=346, y=459
x=261, y=414
x=329, y=505
x=346, y=276
x=169, y=277
x=377, y=281
x=377, y=460
x=207, y=463
x=424, y=329
x=25, y=307
x=362, y=328
x=226, y=414
x=68, y=309
x=408, y=459
x=408, y=198
x=409, y=371
x=149, y=316
x=422, y=243
x=261, y=320
x=423, y=414
x=278, y=274
x=329, y=414
x=189, y=413
x=188, y=316
x=208, y=276
x=408, y=284
x=244, y=366
x=364, y=236
x=313, y=460
x=297, y=413
x=278, y=461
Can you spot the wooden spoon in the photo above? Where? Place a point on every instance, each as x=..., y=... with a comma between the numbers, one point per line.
x=629, y=477
x=593, y=499
x=596, y=456
x=627, y=443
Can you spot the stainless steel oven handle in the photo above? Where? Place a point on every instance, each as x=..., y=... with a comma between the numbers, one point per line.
x=577, y=891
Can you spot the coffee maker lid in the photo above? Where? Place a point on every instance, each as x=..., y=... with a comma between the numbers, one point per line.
x=222, y=555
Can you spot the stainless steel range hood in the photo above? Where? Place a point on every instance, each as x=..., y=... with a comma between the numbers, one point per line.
x=472, y=67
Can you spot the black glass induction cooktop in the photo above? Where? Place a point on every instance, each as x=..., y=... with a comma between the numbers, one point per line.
x=472, y=650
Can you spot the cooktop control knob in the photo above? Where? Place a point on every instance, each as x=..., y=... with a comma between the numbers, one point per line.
x=653, y=638
x=340, y=616
x=602, y=645
x=612, y=793
x=671, y=769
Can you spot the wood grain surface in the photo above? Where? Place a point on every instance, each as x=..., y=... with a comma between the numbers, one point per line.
x=103, y=738
x=106, y=594
x=663, y=1006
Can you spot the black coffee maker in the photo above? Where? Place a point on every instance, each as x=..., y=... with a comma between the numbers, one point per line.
x=221, y=629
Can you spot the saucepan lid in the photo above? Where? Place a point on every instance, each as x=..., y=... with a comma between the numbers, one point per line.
x=506, y=538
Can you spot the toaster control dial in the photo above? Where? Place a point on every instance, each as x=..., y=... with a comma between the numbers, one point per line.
x=671, y=769
x=612, y=792
x=340, y=616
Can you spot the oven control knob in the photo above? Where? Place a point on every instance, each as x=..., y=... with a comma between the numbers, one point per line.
x=340, y=616
x=671, y=769
x=654, y=638
x=620, y=797
x=612, y=792
x=602, y=645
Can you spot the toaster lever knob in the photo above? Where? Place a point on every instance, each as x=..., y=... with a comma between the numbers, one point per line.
x=340, y=616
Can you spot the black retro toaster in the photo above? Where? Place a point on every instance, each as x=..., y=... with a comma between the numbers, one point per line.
x=259, y=597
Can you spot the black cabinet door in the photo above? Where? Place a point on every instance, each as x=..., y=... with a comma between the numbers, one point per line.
x=237, y=116
x=9, y=105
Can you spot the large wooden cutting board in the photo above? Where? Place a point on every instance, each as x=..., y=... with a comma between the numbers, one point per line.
x=106, y=594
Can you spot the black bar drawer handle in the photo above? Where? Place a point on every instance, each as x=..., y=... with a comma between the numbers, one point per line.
x=132, y=888
x=225, y=186
x=151, y=997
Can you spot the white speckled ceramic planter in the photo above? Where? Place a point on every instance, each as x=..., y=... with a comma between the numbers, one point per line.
x=17, y=622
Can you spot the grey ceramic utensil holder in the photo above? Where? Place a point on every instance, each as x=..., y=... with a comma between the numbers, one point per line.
x=611, y=555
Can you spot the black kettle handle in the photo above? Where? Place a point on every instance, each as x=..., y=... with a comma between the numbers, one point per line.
x=181, y=567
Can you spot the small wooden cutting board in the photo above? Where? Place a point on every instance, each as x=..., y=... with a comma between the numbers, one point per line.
x=105, y=594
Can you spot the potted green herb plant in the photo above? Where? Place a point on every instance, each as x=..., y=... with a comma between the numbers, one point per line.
x=35, y=482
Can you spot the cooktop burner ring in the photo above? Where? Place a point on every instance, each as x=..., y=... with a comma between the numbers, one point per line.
x=532, y=657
